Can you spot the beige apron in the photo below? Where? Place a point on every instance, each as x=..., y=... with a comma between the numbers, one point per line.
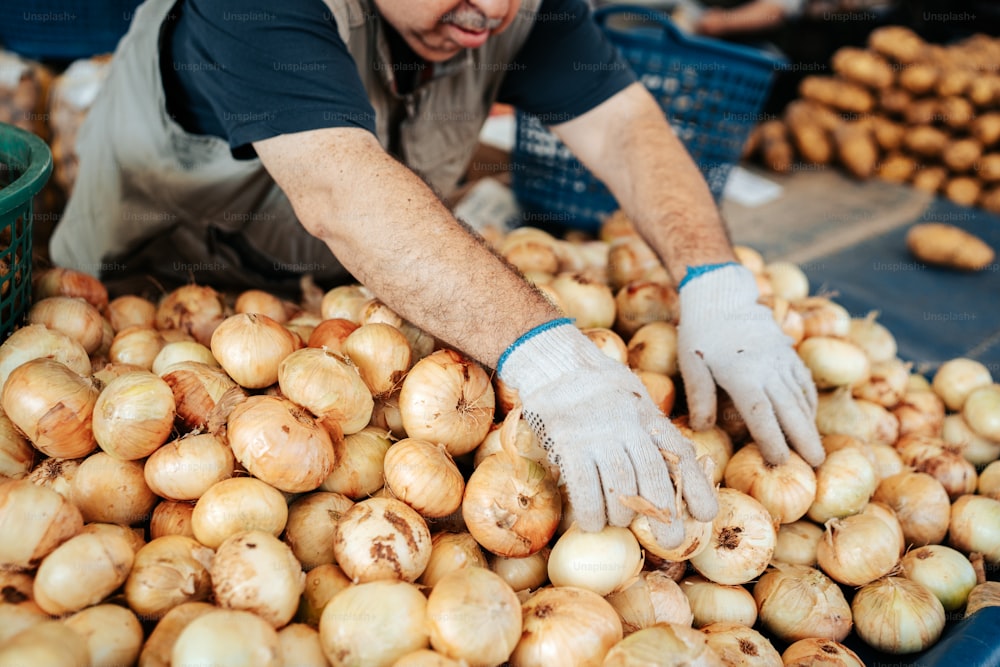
x=155, y=205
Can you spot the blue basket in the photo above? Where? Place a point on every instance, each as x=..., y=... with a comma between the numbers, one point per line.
x=63, y=30
x=711, y=92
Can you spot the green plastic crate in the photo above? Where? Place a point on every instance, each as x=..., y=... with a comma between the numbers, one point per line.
x=25, y=166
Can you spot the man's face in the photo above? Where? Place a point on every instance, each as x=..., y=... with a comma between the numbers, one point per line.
x=436, y=30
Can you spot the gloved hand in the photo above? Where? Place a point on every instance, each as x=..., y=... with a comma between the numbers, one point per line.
x=595, y=418
x=725, y=337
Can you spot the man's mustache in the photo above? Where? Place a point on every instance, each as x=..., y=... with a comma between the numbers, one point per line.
x=470, y=18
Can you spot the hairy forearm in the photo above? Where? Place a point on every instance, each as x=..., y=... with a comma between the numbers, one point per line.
x=628, y=144
x=395, y=236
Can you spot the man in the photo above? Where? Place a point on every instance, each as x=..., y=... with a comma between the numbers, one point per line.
x=243, y=144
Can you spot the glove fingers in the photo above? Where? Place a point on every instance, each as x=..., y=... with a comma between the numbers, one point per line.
x=699, y=388
x=653, y=478
x=695, y=486
x=799, y=424
x=757, y=411
x=618, y=479
x=583, y=483
x=806, y=385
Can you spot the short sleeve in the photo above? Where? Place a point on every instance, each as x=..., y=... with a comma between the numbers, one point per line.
x=247, y=70
x=566, y=67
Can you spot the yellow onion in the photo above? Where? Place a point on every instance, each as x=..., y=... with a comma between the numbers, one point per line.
x=382, y=538
x=552, y=618
x=528, y=255
x=834, y=362
x=663, y=644
x=653, y=347
x=718, y=603
x=798, y=601
x=34, y=341
x=373, y=623
x=884, y=424
x=56, y=474
x=381, y=354
x=845, y=481
x=136, y=346
x=661, y=390
x=630, y=258
x=345, y=302
x=888, y=462
x=981, y=411
x=48, y=642
x=298, y=644
x=33, y=521
x=643, y=301
x=136, y=537
x=697, y=535
x=166, y=572
x=17, y=456
x=198, y=388
x=589, y=302
x=823, y=317
x=194, y=309
x=975, y=526
x=133, y=415
x=131, y=310
x=376, y=311
x=511, y=504
x=920, y=413
x=322, y=583
x=424, y=476
x=896, y=615
x=53, y=406
x=250, y=347
x=82, y=571
x=944, y=571
x=652, y=597
x=156, y=651
x=425, y=657
x=447, y=398
x=940, y=460
x=872, y=337
x=17, y=610
x=328, y=386
x=185, y=468
x=73, y=316
x=449, y=552
x=860, y=548
x=62, y=281
x=787, y=279
x=261, y=302
x=738, y=644
x=985, y=594
x=989, y=481
x=742, y=541
x=956, y=378
x=525, y=442
x=472, y=614
x=977, y=450
x=421, y=342
x=171, y=517
x=386, y=416
x=789, y=319
x=608, y=342
x=797, y=542
x=714, y=443
x=818, y=651
x=749, y=257
x=312, y=526
x=886, y=384
x=235, y=505
x=358, y=472
x=786, y=490
x=281, y=444
x=837, y=413
x=226, y=638
x=112, y=632
x=255, y=571
x=330, y=334
x=112, y=490
x=921, y=504
x=523, y=574
x=181, y=351
x=603, y=561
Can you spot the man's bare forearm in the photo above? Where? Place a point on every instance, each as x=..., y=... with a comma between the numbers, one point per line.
x=396, y=237
x=628, y=144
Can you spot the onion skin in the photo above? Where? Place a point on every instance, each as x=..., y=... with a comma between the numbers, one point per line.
x=382, y=538
x=797, y=602
x=816, y=651
x=82, y=571
x=48, y=642
x=134, y=415
x=23, y=544
x=551, y=637
x=194, y=309
x=742, y=543
x=156, y=652
x=896, y=615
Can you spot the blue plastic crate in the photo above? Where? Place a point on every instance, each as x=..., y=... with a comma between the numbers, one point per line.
x=712, y=93
x=63, y=30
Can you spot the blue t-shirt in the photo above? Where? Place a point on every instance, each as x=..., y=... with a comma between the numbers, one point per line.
x=247, y=70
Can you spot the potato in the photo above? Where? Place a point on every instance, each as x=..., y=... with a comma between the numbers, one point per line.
x=986, y=128
x=925, y=141
x=988, y=168
x=955, y=112
x=897, y=43
x=776, y=151
x=856, y=149
x=752, y=145
x=990, y=200
x=810, y=138
x=918, y=78
x=887, y=133
x=862, y=66
x=953, y=82
x=836, y=93
x=814, y=112
x=946, y=245
x=929, y=178
x=984, y=90
x=921, y=112
x=896, y=167
x=961, y=155
x=894, y=101
x=962, y=190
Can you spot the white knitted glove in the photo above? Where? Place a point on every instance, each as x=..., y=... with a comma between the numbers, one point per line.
x=726, y=337
x=595, y=418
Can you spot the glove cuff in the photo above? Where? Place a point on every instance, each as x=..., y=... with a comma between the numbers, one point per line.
x=717, y=288
x=547, y=353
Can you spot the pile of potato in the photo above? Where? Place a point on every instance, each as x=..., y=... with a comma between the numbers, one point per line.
x=902, y=110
